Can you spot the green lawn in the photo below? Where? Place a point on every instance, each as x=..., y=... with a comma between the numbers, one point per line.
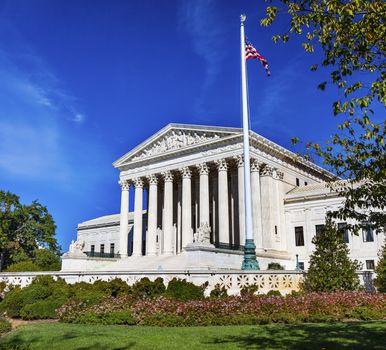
x=358, y=335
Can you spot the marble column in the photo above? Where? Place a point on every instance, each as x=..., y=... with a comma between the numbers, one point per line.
x=223, y=210
x=256, y=203
x=267, y=205
x=152, y=216
x=168, y=229
x=138, y=217
x=240, y=178
x=203, y=170
x=124, y=218
x=187, y=233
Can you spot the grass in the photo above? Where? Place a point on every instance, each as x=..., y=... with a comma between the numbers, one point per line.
x=355, y=335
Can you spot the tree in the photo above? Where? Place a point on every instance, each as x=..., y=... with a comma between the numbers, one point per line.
x=24, y=230
x=330, y=266
x=350, y=35
x=380, y=270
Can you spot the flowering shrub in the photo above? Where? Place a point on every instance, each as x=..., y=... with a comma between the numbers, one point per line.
x=233, y=310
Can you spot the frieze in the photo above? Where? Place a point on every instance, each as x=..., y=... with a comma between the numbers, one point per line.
x=176, y=140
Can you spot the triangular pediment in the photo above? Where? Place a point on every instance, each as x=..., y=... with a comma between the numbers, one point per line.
x=173, y=138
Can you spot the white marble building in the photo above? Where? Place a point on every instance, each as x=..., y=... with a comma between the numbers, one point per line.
x=187, y=183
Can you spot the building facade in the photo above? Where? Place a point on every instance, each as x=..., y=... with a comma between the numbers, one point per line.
x=187, y=186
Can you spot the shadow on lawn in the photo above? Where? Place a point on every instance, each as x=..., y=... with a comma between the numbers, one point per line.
x=309, y=336
x=19, y=343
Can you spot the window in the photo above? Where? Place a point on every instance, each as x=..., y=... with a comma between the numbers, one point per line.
x=370, y=265
x=102, y=248
x=301, y=265
x=342, y=227
x=367, y=233
x=92, y=250
x=299, y=236
x=112, y=248
x=275, y=230
x=305, y=183
x=318, y=229
x=297, y=182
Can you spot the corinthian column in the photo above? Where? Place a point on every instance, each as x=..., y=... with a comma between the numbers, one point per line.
x=168, y=213
x=204, y=193
x=187, y=234
x=223, y=210
x=138, y=212
x=256, y=203
x=240, y=181
x=124, y=218
x=151, y=244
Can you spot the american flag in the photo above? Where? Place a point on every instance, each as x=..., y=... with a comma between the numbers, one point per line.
x=251, y=52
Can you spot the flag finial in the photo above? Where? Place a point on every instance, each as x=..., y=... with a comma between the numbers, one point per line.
x=243, y=18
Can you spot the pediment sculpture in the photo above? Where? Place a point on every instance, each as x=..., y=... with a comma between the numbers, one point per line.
x=176, y=139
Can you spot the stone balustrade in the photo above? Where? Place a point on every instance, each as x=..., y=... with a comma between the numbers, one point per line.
x=233, y=281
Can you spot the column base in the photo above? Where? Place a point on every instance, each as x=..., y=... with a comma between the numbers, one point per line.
x=250, y=262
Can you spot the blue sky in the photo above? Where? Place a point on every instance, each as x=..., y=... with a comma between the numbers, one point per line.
x=83, y=82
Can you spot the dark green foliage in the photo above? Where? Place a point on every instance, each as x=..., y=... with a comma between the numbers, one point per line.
x=274, y=293
x=47, y=260
x=182, y=290
x=218, y=292
x=42, y=309
x=249, y=290
x=23, y=266
x=144, y=288
x=275, y=266
x=380, y=270
x=116, y=287
x=330, y=266
x=5, y=326
x=24, y=230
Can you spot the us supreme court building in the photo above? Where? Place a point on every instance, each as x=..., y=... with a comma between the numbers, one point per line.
x=186, y=188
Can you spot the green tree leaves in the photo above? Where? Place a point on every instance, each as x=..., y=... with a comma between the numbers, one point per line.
x=25, y=229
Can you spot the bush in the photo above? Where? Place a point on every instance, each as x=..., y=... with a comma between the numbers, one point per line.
x=23, y=266
x=116, y=287
x=249, y=290
x=120, y=317
x=380, y=270
x=5, y=326
x=218, y=292
x=275, y=266
x=42, y=309
x=273, y=293
x=182, y=290
x=144, y=288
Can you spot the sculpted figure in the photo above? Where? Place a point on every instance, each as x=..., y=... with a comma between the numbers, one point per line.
x=203, y=234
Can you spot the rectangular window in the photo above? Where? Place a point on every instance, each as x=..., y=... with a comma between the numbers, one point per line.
x=112, y=248
x=370, y=265
x=275, y=230
x=301, y=265
x=297, y=182
x=92, y=250
x=305, y=183
x=299, y=236
x=318, y=229
x=102, y=248
x=342, y=227
x=367, y=232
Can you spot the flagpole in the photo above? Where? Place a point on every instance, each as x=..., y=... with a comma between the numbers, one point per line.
x=249, y=262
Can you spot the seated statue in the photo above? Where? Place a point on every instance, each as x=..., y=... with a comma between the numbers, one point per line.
x=202, y=235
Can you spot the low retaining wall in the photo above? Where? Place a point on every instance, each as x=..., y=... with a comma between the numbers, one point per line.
x=233, y=281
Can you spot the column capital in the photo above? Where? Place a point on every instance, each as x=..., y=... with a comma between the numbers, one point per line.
x=203, y=169
x=255, y=165
x=221, y=164
x=239, y=160
x=153, y=180
x=186, y=172
x=138, y=182
x=168, y=176
x=266, y=170
x=125, y=185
